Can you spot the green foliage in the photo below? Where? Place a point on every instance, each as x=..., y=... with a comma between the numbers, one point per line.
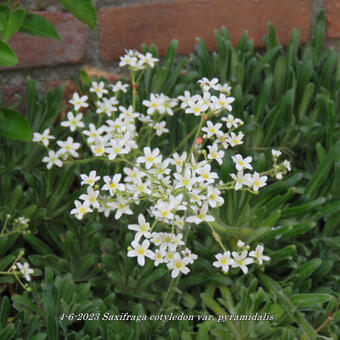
x=13, y=125
x=289, y=99
x=83, y=10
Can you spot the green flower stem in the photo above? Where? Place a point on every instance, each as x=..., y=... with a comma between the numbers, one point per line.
x=5, y=223
x=184, y=140
x=85, y=160
x=193, y=143
x=133, y=79
x=216, y=236
x=153, y=225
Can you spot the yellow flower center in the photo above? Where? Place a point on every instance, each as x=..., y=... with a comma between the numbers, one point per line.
x=140, y=251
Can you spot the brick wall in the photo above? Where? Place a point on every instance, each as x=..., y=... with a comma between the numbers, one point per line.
x=127, y=24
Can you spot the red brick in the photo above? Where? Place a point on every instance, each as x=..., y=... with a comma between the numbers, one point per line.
x=37, y=51
x=332, y=18
x=159, y=23
x=12, y=94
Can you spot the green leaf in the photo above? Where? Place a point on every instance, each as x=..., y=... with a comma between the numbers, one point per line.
x=306, y=300
x=39, y=26
x=13, y=125
x=11, y=21
x=322, y=173
x=7, y=55
x=287, y=304
x=83, y=10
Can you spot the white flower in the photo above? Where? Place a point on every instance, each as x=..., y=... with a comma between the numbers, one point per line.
x=232, y=122
x=279, y=176
x=148, y=59
x=178, y=160
x=212, y=129
x=241, y=179
x=178, y=265
x=159, y=257
x=223, y=102
x=206, y=175
x=91, y=197
x=160, y=128
x=185, y=99
x=52, y=159
x=98, y=89
x=189, y=256
x=196, y=197
x=43, y=138
x=128, y=60
x=106, y=106
x=235, y=140
x=276, y=153
x=150, y=157
x=163, y=210
x=25, y=270
x=242, y=163
x=185, y=180
x=201, y=215
x=122, y=207
x=98, y=149
x=23, y=220
x=68, y=147
x=179, y=222
x=142, y=228
x=196, y=106
x=119, y=87
x=132, y=174
x=90, y=179
x=214, y=198
x=287, y=165
x=78, y=102
x=80, y=209
x=73, y=122
x=153, y=105
x=224, y=261
x=258, y=254
x=225, y=88
x=128, y=112
x=206, y=84
x=240, y=244
x=258, y=181
x=141, y=251
x=116, y=148
x=242, y=261
x=215, y=154
x=112, y=184
x=94, y=134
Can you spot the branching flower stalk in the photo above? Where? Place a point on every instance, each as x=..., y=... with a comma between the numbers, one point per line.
x=19, y=270
x=181, y=188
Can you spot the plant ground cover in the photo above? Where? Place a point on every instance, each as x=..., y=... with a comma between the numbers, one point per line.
x=289, y=100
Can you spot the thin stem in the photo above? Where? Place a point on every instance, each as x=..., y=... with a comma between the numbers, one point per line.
x=216, y=236
x=5, y=223
x=193, y=143
x=184, y=140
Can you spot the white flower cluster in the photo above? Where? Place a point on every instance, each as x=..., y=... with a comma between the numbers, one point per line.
x=166, y=248
x=240, y=258
x=137, y=61
x=180, y=189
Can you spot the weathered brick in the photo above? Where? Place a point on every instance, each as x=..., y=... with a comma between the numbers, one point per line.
x=332, y=18
x=37, y=51
x=12, y=94
x=159, y=23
